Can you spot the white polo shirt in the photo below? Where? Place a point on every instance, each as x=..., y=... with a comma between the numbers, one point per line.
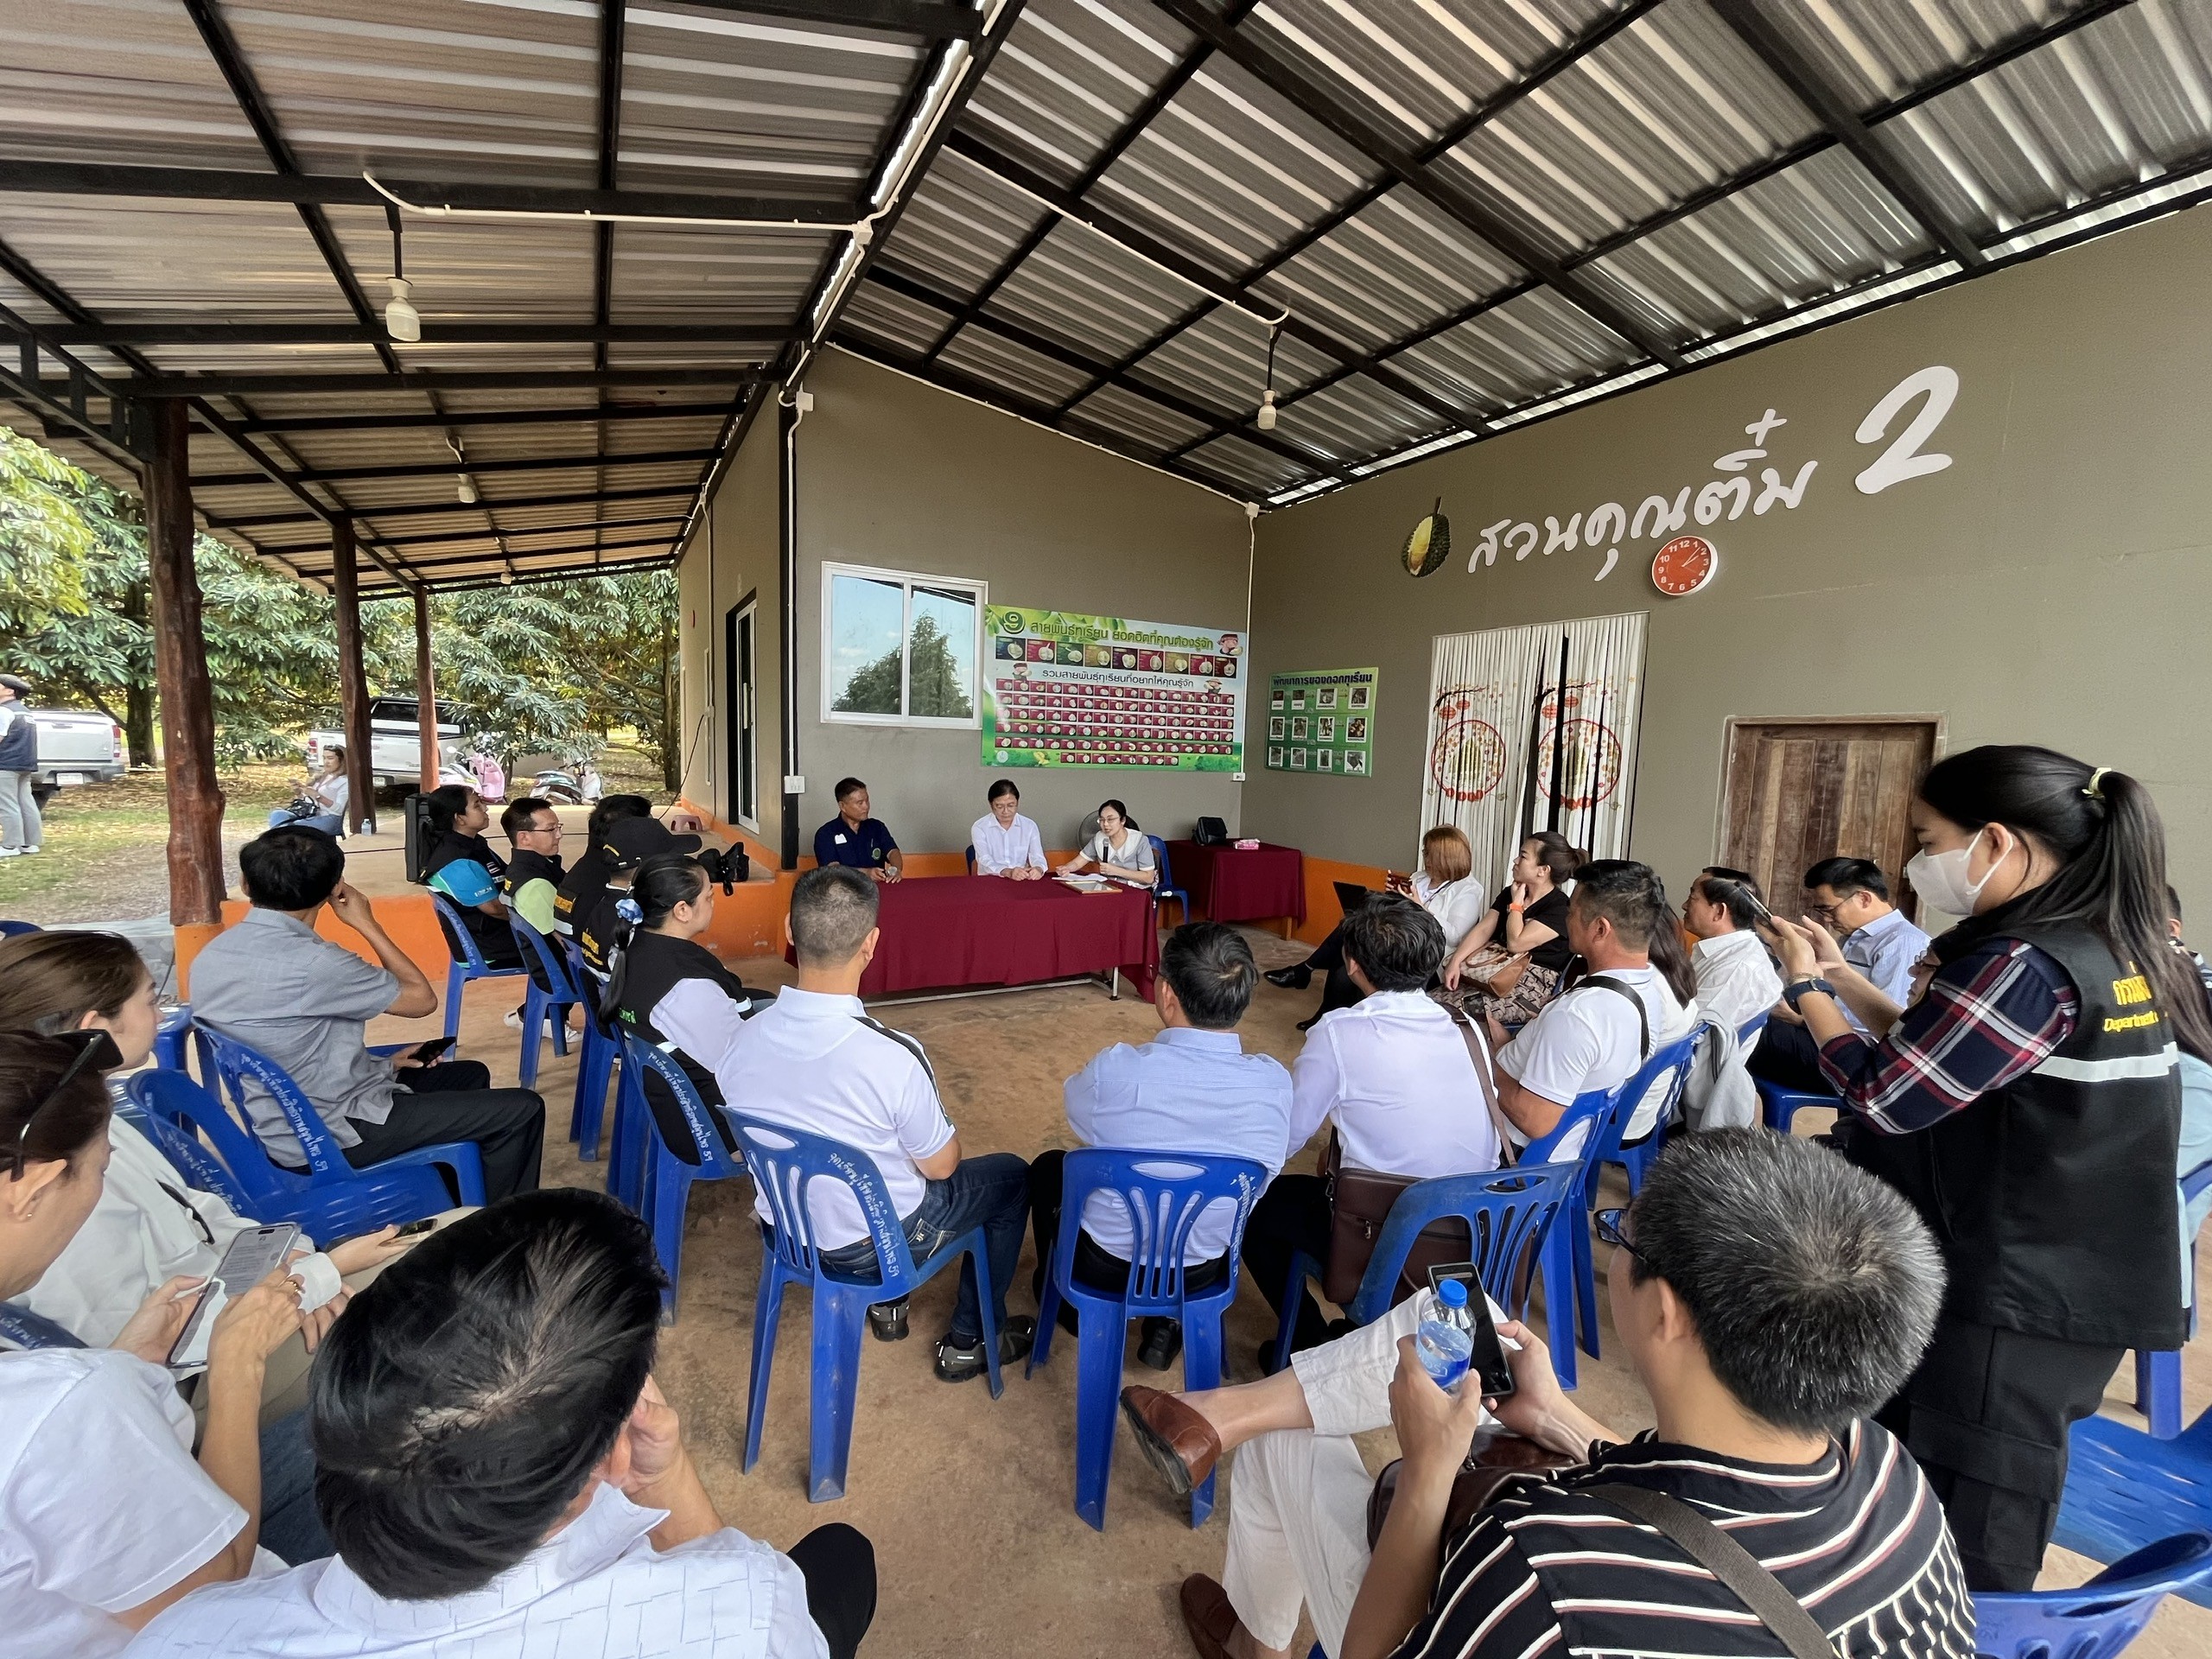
x=101, y=1506
x=818, y=1063
x=1007, y=847
x=1590, y=1038
x=1392, y=1072
x=597, y=1588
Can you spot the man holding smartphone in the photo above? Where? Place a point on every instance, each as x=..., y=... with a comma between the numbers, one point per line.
x=273, y=983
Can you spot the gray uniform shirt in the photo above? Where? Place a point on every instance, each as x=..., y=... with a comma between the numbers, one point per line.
x=273, y=984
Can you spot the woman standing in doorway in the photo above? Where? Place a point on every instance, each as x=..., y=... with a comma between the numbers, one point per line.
x=2029, y=1104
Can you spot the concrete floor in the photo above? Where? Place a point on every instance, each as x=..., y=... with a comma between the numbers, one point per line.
x=970, y=1501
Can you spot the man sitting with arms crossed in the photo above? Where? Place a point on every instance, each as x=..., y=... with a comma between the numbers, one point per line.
x=1762, y=1367
x=1191, y=1089
x=499, y=1474
x=855, y=840
x=1598, y=1034
x=817, y=1061
x=1850, y=897
x=273, y=984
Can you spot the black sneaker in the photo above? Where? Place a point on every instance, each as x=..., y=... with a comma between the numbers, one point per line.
x=1291, y=979
x=956, y=1365
x=887, y=1321
x=1163, y=1341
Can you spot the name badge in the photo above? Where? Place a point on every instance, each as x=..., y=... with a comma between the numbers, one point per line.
x=836, y=841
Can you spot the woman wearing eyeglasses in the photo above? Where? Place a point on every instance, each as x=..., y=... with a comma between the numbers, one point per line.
x=105, y=1518
x=150, y=1225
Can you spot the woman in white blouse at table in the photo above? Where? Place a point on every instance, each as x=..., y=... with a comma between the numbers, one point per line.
x=1005, y=842
x=1120, y=850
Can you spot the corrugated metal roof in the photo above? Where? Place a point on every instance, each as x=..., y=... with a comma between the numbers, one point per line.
x=1443, y=219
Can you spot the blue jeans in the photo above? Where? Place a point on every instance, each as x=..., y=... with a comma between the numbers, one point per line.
x=291, y=1525
x=990, y=1192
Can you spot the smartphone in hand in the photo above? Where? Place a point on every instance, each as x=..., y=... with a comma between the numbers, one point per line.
x=1486, y=1363
x=427, y=1052
x=251, y=1257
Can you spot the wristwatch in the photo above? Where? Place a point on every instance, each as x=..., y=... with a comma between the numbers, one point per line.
x=1790, y=994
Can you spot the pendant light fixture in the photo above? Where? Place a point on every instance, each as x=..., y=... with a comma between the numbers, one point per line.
x=401, y=319
x=1265, y=420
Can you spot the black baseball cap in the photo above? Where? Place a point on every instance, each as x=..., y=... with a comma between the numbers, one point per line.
x=17, y=684
x=630, y=842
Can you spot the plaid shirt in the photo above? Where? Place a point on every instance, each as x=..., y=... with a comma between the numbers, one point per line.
x=1988, y=1017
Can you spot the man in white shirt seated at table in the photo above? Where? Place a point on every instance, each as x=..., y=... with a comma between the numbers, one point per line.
x=815, y=1060
x=1600, y=1034
x=1850, y=897
x=1005, y=842
x=499, y=1474
x=1395, y=1074
x=1191, y=1089
x=1737, y=980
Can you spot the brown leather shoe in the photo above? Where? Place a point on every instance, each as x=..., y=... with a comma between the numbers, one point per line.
x=1175, y=1440
x=1208, y=1617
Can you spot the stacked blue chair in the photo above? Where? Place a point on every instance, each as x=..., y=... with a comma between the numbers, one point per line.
x=1660, y=1077
x=540, y=1004
x=1163, y=885
x=2102, y=1617
x=667, y=1176
x=406, y=1187
x=469, y=965
x=783, y=1162
x=1781, y=1105
x=187, y=1120
x=1164, y=1194
x=2158, y=1376
x=1508, y=1214
x=596, y=1068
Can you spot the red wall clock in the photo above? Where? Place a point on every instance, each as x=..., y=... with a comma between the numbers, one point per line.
x=1683, y=566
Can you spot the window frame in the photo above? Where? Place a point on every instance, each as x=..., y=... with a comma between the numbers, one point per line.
x=908, y=581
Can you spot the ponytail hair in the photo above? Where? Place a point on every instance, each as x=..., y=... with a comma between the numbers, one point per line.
x=2105, y=831
x=447, y=803
x=663, y=882
x=1558, y=854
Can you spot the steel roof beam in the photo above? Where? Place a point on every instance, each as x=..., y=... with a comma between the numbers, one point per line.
x=583, y=416
x=486, y=468
x=209, y=184
x=1802, y=77
x=930, y=19
x=516, y=555
x=524, y=579
x=1317, y=104
x=262, y=385
x=575, y=499
x=448, y=537
x=434, y=332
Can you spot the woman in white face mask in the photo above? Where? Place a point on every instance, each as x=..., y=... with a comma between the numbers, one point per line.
x=2028, y=1104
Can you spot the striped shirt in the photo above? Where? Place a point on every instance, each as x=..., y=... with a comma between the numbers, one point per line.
x=1549, y=1569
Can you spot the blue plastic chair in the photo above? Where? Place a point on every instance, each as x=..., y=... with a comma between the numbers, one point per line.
x=1780, y=1105
x=971, y=858
x=409, y=1181
x=1747, y=1034
x=1164, y=887
x=2126, y=1492
x=1664, y=1073
x=22, y=1328
x=10, y=930
x=169, y=1036
x=602, y=1047
x=1507, y=1212
x=2157, y=1375
x=467, y=966
x=2100, y=1617
x=668, y=1177
x=540, y=1004
x=783, y=1162
x=1164, y=1194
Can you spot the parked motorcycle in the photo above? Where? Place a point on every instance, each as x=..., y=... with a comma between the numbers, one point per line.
x=557, y=787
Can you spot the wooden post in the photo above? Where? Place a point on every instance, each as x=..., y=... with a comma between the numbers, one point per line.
x=353, y=680
x=426, y=693
x=195, y=797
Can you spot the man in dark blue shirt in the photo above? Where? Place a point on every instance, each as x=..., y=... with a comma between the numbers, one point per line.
x=854, y=839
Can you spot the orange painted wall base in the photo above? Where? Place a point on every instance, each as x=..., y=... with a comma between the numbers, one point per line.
x=408, y=918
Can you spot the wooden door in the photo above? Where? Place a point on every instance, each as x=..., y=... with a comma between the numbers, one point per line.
x=1798, y=791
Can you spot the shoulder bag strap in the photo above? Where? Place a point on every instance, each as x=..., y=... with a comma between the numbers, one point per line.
x=1643, y=1015
x=1727, y=1560
x=1478, y=1052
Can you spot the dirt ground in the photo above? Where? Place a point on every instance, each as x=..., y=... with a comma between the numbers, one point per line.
x=969, y=1500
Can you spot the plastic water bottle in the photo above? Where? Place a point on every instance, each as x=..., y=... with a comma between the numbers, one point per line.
x=1447, y=1338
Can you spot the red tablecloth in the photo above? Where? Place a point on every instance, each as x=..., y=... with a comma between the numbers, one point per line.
x=942, y=931
x=1230, y=886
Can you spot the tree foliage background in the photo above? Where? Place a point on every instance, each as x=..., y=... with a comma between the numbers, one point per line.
x=552, y=667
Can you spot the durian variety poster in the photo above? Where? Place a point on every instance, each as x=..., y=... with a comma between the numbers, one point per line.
x=1322, y=720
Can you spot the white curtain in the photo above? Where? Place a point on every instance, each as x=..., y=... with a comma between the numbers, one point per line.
x=1496, y=722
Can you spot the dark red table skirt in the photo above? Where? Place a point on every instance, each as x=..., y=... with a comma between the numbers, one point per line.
x=1229, y=885
x=942, y=931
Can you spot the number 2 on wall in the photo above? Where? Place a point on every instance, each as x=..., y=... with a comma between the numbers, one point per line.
x=1902, y=459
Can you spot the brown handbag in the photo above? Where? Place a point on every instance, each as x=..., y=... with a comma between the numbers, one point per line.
x=1360, y=1201
x=1494, y=1457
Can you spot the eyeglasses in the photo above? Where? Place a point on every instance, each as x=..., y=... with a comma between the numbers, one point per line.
x=94, y=1048
x=1611, y=1230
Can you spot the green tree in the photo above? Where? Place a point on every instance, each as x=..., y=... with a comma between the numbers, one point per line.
x=936, y=689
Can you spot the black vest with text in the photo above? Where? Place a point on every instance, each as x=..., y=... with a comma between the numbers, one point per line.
x=2054, y=1197
x=524, y=867
x=652, y=966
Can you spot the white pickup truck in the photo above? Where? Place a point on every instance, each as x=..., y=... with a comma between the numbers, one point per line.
x=75, y=746
x=395, y=741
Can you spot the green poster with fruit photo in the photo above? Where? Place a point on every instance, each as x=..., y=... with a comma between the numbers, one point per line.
x=1322, y=720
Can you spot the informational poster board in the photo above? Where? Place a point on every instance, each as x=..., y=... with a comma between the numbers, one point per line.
x=1322, y=720
x=1066, y=689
